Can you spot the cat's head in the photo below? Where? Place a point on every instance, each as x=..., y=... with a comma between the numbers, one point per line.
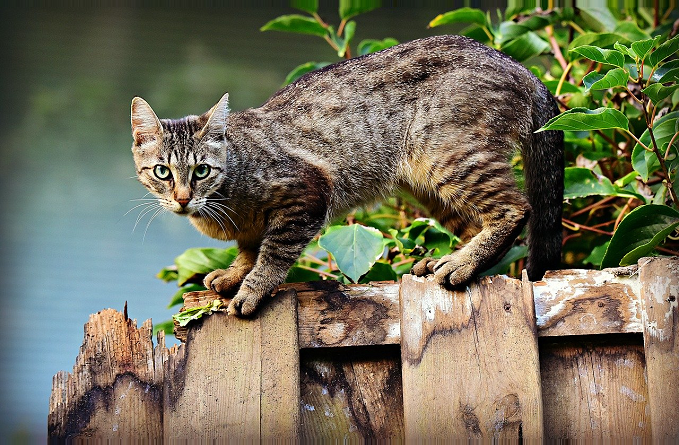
x=180, y=161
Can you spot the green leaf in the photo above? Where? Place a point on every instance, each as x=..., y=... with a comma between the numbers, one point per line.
x=602, y=40
x=657, y=92
x=371, y=45
x=582, y=119
x=380, y=271
x=631, y=31
x=527, y=46
x=165, y=326
x=298, y=274
x=580, y=182
x=510, y=30
x=643, y=47
x=355, y=248
x=644, y=161
x=639, y=233
x=309, y=6
x=302, y=70
x=168, y=274
x=351, y=8
x=514, y=254
x=623, y=49
x=596, y=257
x=598, y=19
x=194, y=313
x=664, y=51
x=462, y=15
x=476, y=32
x=667, y=72
x=200, y=261
x=566, y=87
x=295, y=23
x=608, y=56
x=177, y=298
x=349, y=31
x=616, y=77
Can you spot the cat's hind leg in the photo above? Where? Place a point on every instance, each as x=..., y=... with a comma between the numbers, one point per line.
x=493, y=207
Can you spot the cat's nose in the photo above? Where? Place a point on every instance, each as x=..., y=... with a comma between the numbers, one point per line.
x=183, y=201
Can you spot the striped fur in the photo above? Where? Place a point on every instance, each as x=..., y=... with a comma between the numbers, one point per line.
x=439, y=117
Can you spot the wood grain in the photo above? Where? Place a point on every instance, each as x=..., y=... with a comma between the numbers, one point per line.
x=659, y=280
x=236, y=379
x=470, y=361
x=115, y=389
x=586, y=302
x=594, y=390
x=351, y=395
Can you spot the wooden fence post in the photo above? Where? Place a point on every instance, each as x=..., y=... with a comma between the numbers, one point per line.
x=659, y=283
x=115, y=389
x=470, y=360
x=237, y=379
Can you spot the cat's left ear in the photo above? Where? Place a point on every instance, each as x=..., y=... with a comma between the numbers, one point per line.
x=216, y=122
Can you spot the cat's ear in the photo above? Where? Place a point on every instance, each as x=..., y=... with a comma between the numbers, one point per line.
x=216, y=119
x=146, y=127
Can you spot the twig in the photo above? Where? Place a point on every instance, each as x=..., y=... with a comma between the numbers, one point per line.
x=593, y=206
x=558, y=55
x=622, y=213
x=576, y=226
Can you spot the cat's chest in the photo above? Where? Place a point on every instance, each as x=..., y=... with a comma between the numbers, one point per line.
x=238, y=227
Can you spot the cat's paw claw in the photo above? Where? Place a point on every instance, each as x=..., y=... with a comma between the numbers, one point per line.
x=243, y=306
x=423, y=267
x=452, y=272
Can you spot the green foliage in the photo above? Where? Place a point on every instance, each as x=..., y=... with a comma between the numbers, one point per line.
x=615, y=77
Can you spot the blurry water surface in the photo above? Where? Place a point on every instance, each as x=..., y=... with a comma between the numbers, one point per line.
x=67, y=246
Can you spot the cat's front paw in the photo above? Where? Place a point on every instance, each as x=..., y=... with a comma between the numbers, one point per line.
x=424, y=267
x=245, y=304
x=453, y=270
x=222, y=281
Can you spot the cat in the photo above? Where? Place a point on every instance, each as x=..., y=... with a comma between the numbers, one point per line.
x=440, y=117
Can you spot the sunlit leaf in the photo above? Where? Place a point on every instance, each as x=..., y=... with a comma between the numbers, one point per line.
x=349, y=31
x=351, y=8
x=581, y=119
x=608, y=56
x=630, y=30
x=657, y=92
x=355, y=248
x=371, y=45
x=614, y=78
x=200, y=261
x=177, y=298
x=639, y=233
x=309, y=6
x=295, y=23
x=598, y=19
x=664, y=51
x=187, y=315
x=641, y=48
x=527, y=46
x=303, y=69
x=602, y=40
x=462, y=15
x=566, y=87
x=380, y=271
x=168, y=274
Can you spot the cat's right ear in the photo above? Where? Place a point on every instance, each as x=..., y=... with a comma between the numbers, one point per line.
x=146, y=127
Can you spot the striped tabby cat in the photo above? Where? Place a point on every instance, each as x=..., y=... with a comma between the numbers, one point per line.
x=439, y=117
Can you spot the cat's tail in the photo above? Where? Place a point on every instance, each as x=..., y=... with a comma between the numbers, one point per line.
x=543, y=173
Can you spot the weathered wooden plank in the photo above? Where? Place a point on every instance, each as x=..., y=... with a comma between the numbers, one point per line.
x=594, y=390
x=236, y=379
x=115, y=389
x=567, y=302
x=659, y=282
x=280, y=392
x=351, y=394
x=470, y=361
x=586, y=302
x=332, y=314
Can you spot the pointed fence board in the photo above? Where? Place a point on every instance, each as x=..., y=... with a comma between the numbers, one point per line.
x=470, y=361
x=659, y=282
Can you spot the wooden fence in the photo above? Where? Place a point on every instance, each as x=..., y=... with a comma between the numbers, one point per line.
x=580, y=355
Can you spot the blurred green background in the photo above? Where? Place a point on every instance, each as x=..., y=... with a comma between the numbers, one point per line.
x=67, y=246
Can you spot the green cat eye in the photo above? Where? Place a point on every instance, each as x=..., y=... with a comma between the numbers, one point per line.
x=201, y=171
x=162, y=172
